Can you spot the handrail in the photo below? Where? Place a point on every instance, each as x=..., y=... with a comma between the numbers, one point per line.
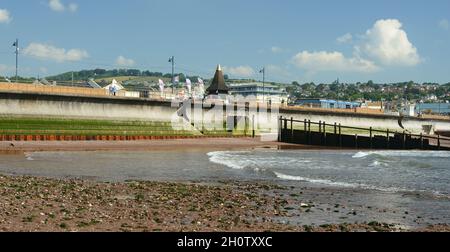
x=369, y=130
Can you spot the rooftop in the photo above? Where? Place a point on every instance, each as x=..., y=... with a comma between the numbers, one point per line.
x=253, y=84
x=218, y=85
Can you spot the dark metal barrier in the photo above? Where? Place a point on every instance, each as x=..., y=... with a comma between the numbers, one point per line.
x=333, y=135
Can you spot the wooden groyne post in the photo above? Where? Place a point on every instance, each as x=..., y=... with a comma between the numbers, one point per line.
x=292, y=129
x=387, y=139
x=340, y=135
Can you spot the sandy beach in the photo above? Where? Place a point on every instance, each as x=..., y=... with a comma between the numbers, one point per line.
x=153, y=145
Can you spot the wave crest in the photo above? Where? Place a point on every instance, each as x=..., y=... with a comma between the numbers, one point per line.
x=412, y=153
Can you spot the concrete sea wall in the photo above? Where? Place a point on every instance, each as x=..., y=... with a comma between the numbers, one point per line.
x=52, y=105
x=26, y=104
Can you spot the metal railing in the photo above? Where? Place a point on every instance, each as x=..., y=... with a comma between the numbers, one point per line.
x=337, y=129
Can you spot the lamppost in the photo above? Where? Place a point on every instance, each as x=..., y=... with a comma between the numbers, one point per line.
x=16, y=45
x=172, y=60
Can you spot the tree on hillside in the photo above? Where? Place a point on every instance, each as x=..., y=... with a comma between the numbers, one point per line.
x=99, y=71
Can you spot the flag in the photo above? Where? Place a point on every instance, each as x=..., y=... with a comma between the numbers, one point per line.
x=161, y=85
x=189, y=85
x=201, y=86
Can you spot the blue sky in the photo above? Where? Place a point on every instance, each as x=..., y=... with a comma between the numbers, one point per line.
x=383, y=41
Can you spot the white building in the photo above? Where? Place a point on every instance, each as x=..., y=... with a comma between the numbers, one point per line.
x=409, y=110
x=261, y=92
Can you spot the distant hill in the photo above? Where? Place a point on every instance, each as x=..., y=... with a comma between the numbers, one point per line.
x=130, y=80
x=118, y=74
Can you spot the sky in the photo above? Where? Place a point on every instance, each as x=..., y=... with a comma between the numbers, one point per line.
x=320, y=41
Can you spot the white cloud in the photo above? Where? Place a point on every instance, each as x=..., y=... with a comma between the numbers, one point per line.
x=240, y=71
x=124, y=62
x=444, y=24
x=73, y=7
x=276, y=49
x=387, y=43
x=58, y=6
x=49, y=52
x=346, y=38
x=5, y=17
x=332, y=61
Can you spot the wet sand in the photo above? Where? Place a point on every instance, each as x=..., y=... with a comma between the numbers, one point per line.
x=210, y=144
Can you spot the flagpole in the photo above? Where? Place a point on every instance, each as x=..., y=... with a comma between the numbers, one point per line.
x=263, y=71
x=264, y=85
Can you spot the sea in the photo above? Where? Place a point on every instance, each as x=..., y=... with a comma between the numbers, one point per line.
x=439, y=108
x=383, y=171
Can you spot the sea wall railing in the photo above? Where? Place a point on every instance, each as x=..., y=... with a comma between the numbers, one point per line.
x=340, y=136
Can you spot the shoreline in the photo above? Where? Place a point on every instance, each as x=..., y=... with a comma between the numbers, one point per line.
x=165, y=145
x=195, y=144
x=214, y=144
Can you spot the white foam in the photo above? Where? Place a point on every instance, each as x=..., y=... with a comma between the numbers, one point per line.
x=228, y=159
x=246, y=159
x=316, y=181
x=411, y=153
x=29, y=156
x=339, y=184
x=361, y=154
x=378, y=164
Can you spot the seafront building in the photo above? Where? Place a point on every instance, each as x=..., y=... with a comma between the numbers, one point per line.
x=260, y=92
x=327, y=104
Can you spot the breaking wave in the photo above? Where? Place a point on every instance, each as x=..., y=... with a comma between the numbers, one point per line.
x=243, y=160
x=372, y=170
x=29, y=156
x=338, y=184
x=437, y=154
x=227, y=158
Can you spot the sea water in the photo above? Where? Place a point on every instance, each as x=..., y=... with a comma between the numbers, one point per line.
x=390, y=171
x=441, y=108
x=386, y=171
